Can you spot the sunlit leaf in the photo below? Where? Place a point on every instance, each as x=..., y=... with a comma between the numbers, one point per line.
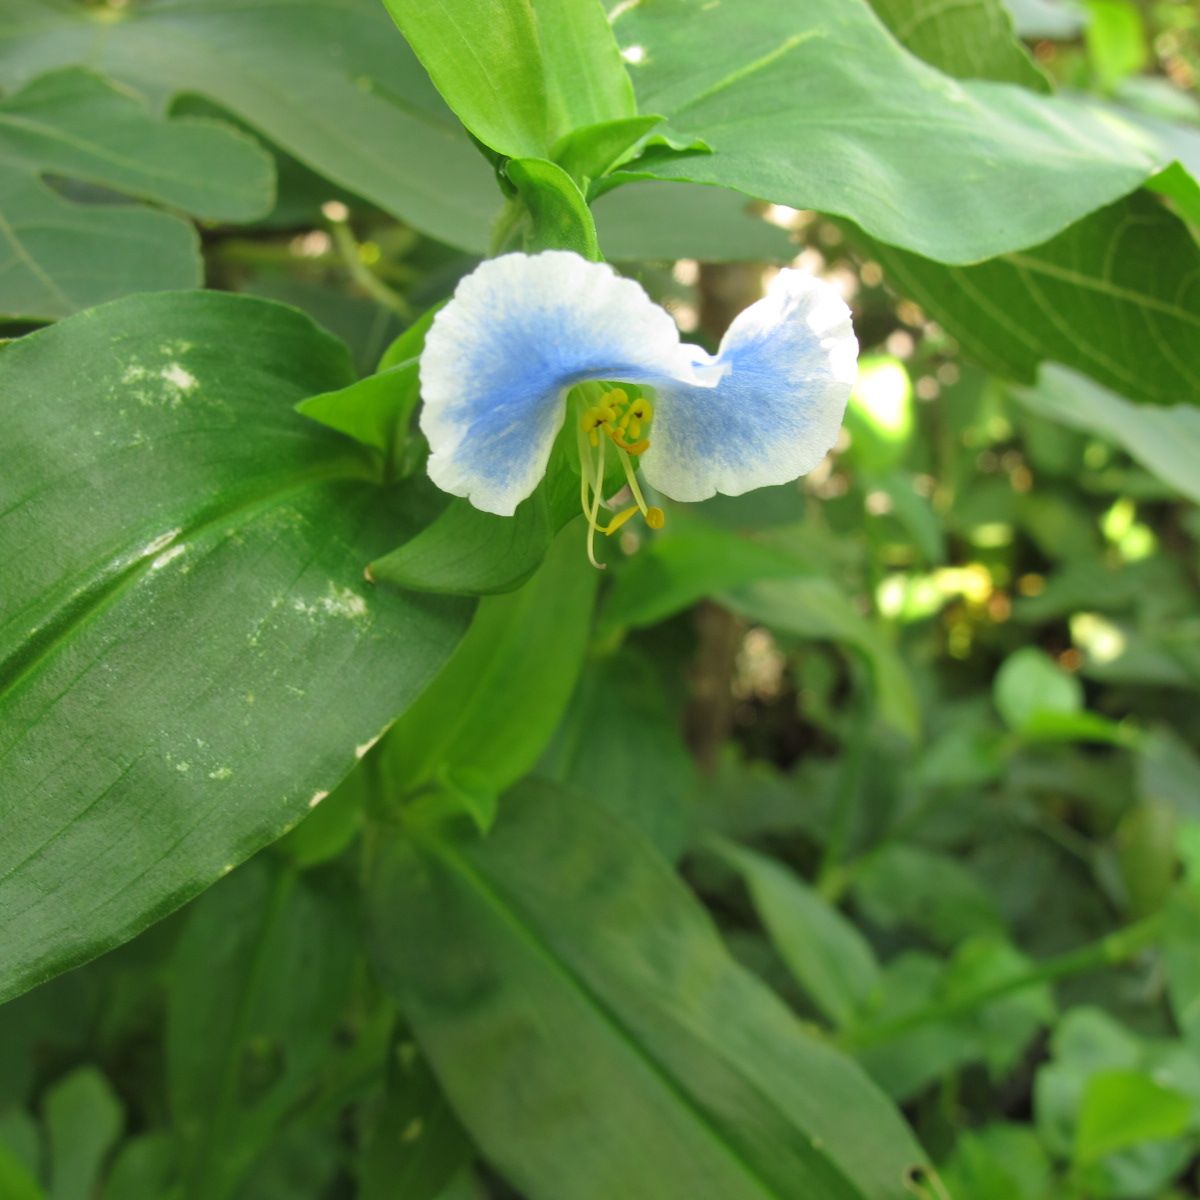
x=189, y=652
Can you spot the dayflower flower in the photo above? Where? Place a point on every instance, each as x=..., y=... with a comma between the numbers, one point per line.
x=526, y=337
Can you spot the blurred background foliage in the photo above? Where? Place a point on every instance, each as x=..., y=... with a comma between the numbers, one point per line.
x=922, y=729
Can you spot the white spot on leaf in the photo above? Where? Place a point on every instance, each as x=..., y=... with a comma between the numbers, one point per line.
x=159, y=543
x=167, y=556
x=178, y=377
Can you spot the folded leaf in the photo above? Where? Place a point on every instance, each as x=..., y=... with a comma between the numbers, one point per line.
x=594, y=1035
x=520, y=74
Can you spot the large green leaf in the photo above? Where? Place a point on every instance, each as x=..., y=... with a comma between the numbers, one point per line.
x=816, y=105
x=1116, y=296
x=188, y=653
x=971, y=39
x=520, y=74
x=57, y=256
x=622, y=742
x=595, y=1036
x=330, y=81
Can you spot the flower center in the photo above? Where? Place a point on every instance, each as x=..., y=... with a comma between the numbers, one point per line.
x=624, y=422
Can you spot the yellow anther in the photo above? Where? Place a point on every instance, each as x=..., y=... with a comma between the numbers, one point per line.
x=634, y=448
x=615, y=418
x=618, y=520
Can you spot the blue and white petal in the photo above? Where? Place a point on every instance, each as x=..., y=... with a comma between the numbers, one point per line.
x=788, y=363
x=499, y=358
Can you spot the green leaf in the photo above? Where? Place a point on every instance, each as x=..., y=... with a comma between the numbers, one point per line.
x=1116, y=40
x=330, y=827
x=1116, y=296
x=955, y=171
x=83, y=1119
x=377, y=410
x=550, y=973
x=257, y=983
x=245, y=56
x=999, y=1162
x=529, y=644
x=971, y=40
x=20, y=1141
x=692, y=560
x=828, y=956
x=901, y=885
x=1031, y=684
x=366, y=116
x=621, y=742
x=1122, y=1108
x=417, y=1147
x=1166, y=441
x=684, y=220
x=559, y=214
x=1181, y=959
x=60, y=255
x=144, y=1166
x=16, y=1183
x=192, y=667
x=1086, y=1042
x=880, y=416
x=520, y=74
x=468, y=552
x=587, y=153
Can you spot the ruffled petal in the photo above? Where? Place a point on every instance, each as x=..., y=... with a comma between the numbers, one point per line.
x=520, y=331
x=788, y=364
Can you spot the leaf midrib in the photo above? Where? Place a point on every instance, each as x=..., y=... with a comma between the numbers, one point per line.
x=115, y=578
x=510, y=914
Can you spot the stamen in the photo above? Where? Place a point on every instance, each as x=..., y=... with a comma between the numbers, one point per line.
x=631, y=479
x=617, y=521
x=593, y=514
x=620, y=421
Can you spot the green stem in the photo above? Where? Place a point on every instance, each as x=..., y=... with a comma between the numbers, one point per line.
x=1109, y=951
x=266, y=254
x=347, y=248
x=506, y=226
